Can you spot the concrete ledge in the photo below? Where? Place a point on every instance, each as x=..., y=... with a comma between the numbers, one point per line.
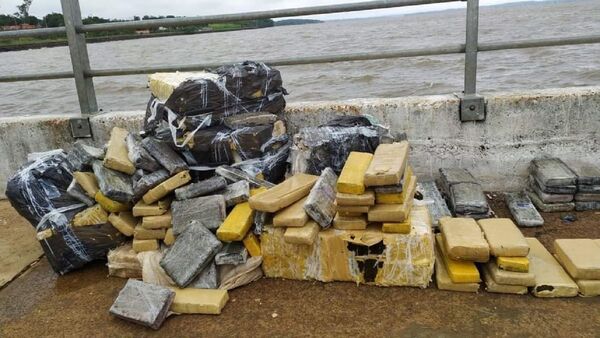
x=519, y=126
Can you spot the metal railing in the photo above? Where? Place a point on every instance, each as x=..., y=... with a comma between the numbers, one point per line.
x=471, y=108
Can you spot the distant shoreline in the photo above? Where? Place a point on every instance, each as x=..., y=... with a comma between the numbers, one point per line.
x=63, y=41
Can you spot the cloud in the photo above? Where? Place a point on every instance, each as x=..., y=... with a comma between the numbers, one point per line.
x=127, y=9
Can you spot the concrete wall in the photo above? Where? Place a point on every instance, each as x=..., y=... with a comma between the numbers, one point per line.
x=560, y=122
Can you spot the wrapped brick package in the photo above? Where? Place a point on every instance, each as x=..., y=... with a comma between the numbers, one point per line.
x=362, y=256
x=316, y=148
x=38, y=191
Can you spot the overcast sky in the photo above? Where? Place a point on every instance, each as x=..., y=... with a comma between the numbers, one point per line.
x=126, y=9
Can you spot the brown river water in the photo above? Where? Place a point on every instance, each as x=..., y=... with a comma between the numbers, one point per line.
x=510, y=70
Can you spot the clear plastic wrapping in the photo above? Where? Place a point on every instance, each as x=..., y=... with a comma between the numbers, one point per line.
x=38, y=191
x=316, y=148
x=362, y=256
x=222, y=117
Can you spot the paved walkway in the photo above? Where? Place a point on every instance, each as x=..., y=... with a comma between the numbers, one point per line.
x=40, y=303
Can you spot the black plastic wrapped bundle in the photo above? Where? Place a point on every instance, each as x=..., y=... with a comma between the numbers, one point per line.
x=316, y=148
x=38, y=191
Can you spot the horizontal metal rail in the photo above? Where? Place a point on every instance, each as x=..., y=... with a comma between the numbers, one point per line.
x=366, y=56
x=278, y=13
x=29, y=33
x=535, y=43
x=290, y=61
x=37, y=76
x=208, y=19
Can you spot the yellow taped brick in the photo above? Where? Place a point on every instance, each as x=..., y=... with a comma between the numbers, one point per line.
x=237, y=223
x=117, y=155
x=399, y=198
x=397, y=228
x=88, y=182
x=302, y=235
x=443, y=280
x=588, y=288
x=464, y=239
x=111, y=205
x=157, y=222
x=360, y=209
x=551, y=280
x=516, y=264
x=141, y=209
x=350, y=223
x=459, y=271
x=350, y=214
x=256, y=191
x=388, y=164
x=162, y=85
x=200, y=301
x=143, y=233
x=503, y=237
x=169, y=237
x=391, y=213
x=90, y=216
x=389, y=198
x=252, y=244
x=292, y=216
x=141, y=245
x=167, y=186
x=283, y=194
x=368, y=198
x=124, y=221
x=580, y=257
x=352, y=177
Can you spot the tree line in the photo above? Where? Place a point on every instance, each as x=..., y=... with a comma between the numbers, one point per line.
x=22, y=16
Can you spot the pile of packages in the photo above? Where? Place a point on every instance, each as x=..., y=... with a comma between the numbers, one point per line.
x=210, y=141
x=556, y=186
x=376, y=238
x=198, y=203
x=509, y=262
x=464, y=194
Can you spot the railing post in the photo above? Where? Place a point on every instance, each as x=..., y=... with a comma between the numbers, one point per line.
x=79, y=57
x=472, y=106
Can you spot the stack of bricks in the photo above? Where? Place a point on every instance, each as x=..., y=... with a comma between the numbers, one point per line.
x=459, y=245
x=508, y=269
x=509, y=262
x=552, y=185
x=376, y=188
x=302, y=205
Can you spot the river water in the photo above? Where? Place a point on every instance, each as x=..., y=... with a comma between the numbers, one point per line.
x=498, y=71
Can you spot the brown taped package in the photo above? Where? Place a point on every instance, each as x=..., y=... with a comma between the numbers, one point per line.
x=283, y=194
x=504, y=238
x=368, y=198
x=492, y=286
x=551, y=280
x=302, y=235
x=509, y=277
x=464, y=239
x=350, y=222
x=580, y=257
x=387, y=165
x=167, y=186
x=292, y=216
